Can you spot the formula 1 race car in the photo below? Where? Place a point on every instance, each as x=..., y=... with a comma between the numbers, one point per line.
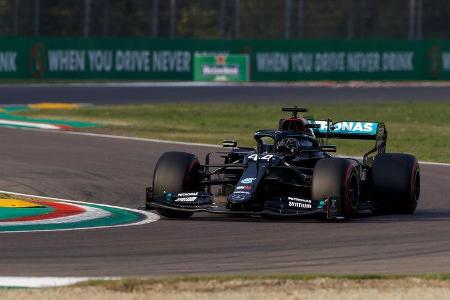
x=289, y=173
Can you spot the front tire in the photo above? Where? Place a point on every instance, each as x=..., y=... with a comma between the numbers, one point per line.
x=337, y=178
x=396, y=179
x=176, y=172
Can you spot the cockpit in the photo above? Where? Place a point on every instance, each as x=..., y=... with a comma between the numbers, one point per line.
x=294, y=137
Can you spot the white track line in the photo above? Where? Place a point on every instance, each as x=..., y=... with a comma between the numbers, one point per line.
x=314, y=84
x=40, y=282
x=150, y=217
x=434, y=163
x=119, y=137
x=129, y=138
x=37, y=125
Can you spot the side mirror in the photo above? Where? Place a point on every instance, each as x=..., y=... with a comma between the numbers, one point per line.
x=229, y=144
x=328, y=148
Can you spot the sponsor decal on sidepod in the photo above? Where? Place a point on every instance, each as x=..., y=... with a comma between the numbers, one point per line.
x=237, y=196
x=244, y=187
x=247, y=180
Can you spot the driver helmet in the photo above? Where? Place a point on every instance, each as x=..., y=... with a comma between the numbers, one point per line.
x=296, y=124
x=289, y=145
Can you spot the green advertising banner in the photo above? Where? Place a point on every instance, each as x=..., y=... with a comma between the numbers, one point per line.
x=221, y=67
x=268, y=60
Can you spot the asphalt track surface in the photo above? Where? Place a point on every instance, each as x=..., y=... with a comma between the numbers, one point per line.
x=165, y=93
x=112, y=171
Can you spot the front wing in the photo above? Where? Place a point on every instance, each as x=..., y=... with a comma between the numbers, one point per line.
x=277, y=206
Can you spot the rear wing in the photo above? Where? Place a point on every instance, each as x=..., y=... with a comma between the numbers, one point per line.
x=360, y=130
x=348, y=129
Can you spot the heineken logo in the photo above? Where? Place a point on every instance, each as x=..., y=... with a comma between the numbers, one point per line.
x=220, y=59
x=221, y=67
x=220, y=70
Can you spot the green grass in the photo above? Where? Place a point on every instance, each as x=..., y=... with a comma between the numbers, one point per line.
x=134, y=284
x=419, y=128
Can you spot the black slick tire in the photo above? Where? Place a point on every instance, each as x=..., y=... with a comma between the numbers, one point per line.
x=396, y=180
x=176, y=172
x=337, y=178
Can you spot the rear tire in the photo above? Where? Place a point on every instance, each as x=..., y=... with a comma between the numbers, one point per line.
x=337, y=178
x=396, y=179
x=176, y=172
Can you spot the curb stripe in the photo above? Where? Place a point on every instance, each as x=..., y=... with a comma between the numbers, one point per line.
x=9, y=119
x=90, y=216
x=29, y=124
x=146, y=217
x=61, y=210
x=17, y=203
x=8, y=214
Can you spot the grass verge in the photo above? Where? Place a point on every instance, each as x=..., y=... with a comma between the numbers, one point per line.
x=136, y=284
x=239, y=287
x=419, y=128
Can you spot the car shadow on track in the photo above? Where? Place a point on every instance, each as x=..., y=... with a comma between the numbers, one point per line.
x=423, y=215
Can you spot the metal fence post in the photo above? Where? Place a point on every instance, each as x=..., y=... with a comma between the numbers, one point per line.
x=412, y=18
x=173, y=12
x=36, y=17
x=106, y=18
x=300, y=17
x=237, y=19
x=155, y=17
x=287, y=18
x=362, y=17
x=87, y=18
x=351, y=21
x=419, y=19
x=16, y=17
x=222, y=19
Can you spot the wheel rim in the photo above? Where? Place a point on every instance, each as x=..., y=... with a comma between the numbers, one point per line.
x=353, y=192
x=416, y=186
x=192, y=179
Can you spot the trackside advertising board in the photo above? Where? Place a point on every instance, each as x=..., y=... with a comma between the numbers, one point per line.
x=221, y=67
x=268, y=60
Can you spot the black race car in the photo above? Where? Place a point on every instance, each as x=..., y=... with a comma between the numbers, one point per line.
x=289, y=173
